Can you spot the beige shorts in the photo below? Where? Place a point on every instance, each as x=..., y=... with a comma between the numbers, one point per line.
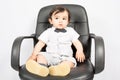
x=54, y=59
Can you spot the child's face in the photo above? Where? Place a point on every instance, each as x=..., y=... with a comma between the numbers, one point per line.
x=59, y=20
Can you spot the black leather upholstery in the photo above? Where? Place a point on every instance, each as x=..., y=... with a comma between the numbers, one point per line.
x=79, y=21
x=85, y=69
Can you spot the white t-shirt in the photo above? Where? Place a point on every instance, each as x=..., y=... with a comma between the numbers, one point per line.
x=59, y=42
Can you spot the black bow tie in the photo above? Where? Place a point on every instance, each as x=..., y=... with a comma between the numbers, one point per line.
x=60, y=30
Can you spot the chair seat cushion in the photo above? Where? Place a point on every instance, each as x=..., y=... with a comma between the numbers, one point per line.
x=84, y=71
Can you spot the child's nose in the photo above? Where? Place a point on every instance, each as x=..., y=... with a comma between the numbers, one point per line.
x=60, y=20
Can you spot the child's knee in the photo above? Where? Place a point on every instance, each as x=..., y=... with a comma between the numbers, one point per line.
x=41, y=59
x=39, y=56
x=71, y=64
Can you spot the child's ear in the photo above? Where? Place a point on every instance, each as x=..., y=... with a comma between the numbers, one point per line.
x=50, y=21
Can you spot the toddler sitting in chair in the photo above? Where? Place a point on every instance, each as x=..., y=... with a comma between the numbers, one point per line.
x=58, y=58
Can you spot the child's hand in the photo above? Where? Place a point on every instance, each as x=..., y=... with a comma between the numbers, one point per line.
x=80, y=56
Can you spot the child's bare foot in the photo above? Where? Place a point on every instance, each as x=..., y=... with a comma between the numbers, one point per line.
x=36, y=68
x=59, y=70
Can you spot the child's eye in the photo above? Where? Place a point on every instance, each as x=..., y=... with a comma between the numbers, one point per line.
x=64, y=18
x=56, y=18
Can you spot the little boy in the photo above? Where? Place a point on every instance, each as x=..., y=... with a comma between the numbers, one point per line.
x=58, y=58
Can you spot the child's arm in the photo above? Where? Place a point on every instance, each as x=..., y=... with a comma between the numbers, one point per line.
x=37, y=49
x=79, y=53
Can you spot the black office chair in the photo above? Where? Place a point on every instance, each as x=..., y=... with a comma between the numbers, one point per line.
x=79, y=21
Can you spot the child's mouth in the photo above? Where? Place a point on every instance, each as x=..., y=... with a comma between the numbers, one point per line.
x=60, y=24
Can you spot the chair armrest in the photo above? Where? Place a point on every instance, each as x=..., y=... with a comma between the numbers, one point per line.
x=15, y=54
x=99, y=53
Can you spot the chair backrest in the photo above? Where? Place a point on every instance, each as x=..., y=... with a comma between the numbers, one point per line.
x=78, y=21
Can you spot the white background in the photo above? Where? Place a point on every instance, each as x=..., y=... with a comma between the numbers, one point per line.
x=18, y=18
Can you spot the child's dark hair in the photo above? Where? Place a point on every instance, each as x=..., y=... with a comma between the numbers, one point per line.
x=58, y=9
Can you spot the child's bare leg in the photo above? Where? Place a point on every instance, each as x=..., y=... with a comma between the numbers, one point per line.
x=35, y=68
x=61, y=69
x=71, y=64
x=41, y=59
